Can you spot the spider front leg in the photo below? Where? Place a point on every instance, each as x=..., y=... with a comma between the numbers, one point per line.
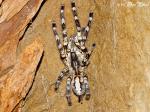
x=60, y=77
x=88, y=54
x=87, y=28
x=59, y=45
x=68, y=91
x=90, y=51
x=76, y=19
x=86, y=31
x=63, y=25
x=78, y=26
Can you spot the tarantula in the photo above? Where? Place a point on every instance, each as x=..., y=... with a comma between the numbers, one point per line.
x=75, y=56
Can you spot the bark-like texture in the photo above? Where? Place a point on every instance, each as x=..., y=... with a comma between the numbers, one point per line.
x=17, y=72
x=10, y=8
x=16, y=83
x=10, y=30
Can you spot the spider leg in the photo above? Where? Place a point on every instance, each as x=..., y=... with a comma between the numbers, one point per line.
x=63, y=25
x=59, y=45
x=68, y=91
x=88, y=54
x=78, y=26
x=90, y=51
x=85, y=33
x=83, y=84
x=87, y=28
x=87, y=88
x=76, y=19
x=60, y=78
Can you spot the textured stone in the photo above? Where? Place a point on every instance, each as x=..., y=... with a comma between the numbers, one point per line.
x=119, y=69
x=15, y=84
x=9, y=8
x=17, y=72
x=10, y=30
x=119, y=73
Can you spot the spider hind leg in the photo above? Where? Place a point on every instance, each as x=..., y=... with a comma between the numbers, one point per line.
x=60, y=78
x=68, y=91
x=87, y=88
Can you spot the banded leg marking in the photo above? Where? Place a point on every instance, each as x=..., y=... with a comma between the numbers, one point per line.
x=68, y=91
x=87, y=28
x=89, y=52
x=87, y=88
x=59, y=45
x=76, y=19
x=63, y=25
x=60, y=77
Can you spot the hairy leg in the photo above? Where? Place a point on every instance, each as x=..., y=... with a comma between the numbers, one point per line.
x=63, y=25
x=59, y=45
x=76, y=19
x=60, y=78
x=85, y=32
x=68, y=91
x=87, y=28
x=87, y=88
x=89, y=52
x=58, y=42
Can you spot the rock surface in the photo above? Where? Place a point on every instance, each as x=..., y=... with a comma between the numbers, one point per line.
x=119, y=72
x=11, y=30
x=17, y=72
x=17, y=82
x=119, y=69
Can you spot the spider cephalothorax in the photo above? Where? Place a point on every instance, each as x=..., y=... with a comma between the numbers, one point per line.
x=75, y=56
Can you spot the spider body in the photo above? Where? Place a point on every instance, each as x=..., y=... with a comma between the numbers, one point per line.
x=75, y=56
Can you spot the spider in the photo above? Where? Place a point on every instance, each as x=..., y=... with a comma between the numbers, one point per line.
x=75, y=56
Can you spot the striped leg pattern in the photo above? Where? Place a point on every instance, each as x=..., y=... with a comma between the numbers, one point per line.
x=76, y=19
x=87, y=88
x=75, y=56
x=90, y=51
x=68, y=91
x=88, y=54
x=77, y=23
x=60, y=77
x=59, y=45
x=63, y=25
x=87, y=28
